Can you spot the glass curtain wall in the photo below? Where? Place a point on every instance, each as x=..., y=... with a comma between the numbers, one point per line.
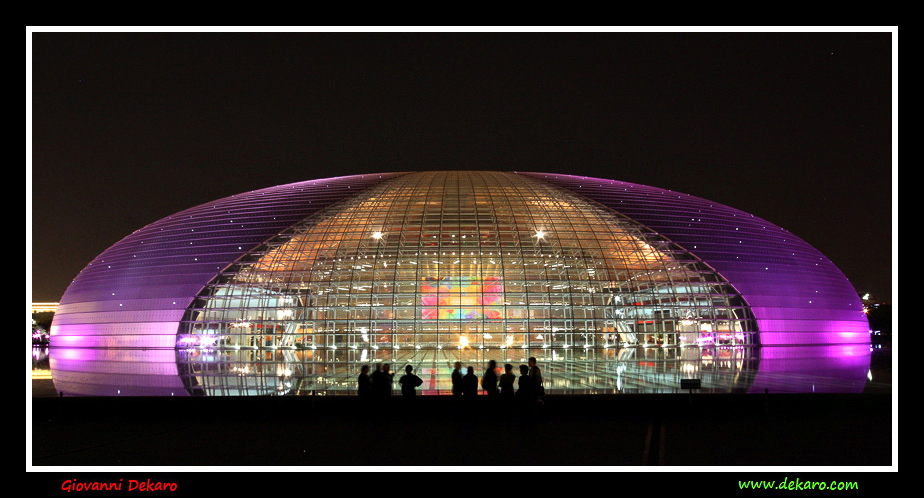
x=436, y=267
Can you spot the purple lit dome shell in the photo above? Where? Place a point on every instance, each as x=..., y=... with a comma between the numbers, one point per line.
x=135, y=294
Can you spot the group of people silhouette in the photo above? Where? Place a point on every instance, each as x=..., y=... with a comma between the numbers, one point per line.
x=528, y=388
x=379, y=384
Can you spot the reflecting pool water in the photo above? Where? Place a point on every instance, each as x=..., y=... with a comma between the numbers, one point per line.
x=40, y=368
x=292, y=371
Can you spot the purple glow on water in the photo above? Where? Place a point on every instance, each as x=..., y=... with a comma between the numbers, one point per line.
x=822, y=369
x=115, y=372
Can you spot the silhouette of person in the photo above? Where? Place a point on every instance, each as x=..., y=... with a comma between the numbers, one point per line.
x=526, y=391
x=457, y=379
x=536, y=374
x=470, y=384
x=506, y=382
x=489, y=379
x=409, y=382
x=377, y=381
x=387, y=379
x=364, y=389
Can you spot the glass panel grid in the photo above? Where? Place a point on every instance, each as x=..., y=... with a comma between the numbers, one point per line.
x=436, y=267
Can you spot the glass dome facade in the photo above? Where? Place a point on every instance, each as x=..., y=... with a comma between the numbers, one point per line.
x=449, y=266
x=289, y=289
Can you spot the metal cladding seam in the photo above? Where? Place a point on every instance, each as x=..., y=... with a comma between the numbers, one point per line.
x=797, y=295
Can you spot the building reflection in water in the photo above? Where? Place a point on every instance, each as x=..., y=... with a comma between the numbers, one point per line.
x=40, y=368
x=254, y=372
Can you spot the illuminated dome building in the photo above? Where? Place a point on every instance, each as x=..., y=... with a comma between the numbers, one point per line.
x=288, y=289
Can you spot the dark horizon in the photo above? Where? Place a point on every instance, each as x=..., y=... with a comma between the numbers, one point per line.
x=131, y=127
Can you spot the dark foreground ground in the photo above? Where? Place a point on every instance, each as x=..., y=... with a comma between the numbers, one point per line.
x=717, y=430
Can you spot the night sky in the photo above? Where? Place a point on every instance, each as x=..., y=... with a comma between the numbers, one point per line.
x=129, y=128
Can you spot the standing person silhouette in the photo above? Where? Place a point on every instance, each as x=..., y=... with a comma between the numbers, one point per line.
x=457, y=380
x=526, y=391
x=364, y=388
x=387, y=380
x=470, y=384
x=536, y=374
x=409, y=382
x=506, y=382
x=377, y=381
x=489, y=380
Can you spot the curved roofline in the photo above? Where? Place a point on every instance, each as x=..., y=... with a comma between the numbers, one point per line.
x=783, y=301
x=656, y=234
